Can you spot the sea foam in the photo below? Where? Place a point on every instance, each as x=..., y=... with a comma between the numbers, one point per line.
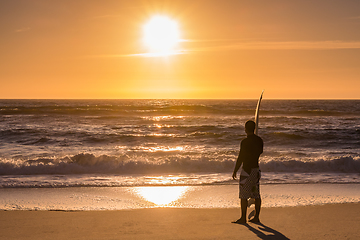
x=89, y=163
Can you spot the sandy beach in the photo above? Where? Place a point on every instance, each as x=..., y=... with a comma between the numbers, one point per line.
x=331, y=221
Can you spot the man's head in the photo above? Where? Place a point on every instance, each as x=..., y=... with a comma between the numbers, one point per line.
x=250, y=127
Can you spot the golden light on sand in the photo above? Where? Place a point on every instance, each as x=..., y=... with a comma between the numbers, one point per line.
x=161, y=196
x=161, y=35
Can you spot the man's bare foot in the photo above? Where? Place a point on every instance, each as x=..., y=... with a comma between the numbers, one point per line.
x=255, y=220
x=240, y=221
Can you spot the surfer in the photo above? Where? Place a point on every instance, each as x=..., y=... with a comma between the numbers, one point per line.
x=250, y=149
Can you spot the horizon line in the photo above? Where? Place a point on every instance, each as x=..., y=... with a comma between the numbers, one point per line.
x=178, y=99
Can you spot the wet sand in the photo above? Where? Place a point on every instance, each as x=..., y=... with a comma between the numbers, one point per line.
x=331, y=221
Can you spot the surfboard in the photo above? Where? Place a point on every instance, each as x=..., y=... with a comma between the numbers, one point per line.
x=257, y=113
x=251, y=201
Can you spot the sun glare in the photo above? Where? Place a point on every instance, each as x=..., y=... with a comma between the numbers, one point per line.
x=161, y=35
x=161, y=196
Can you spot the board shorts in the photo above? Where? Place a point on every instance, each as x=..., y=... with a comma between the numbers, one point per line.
x=249, y=184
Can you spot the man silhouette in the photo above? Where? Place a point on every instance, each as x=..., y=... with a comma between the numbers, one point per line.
x=250, y=149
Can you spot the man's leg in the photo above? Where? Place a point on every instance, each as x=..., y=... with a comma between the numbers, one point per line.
x=257, y=210
x=243, y=204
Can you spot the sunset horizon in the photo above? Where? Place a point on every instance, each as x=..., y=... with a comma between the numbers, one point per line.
x=179, y=50
x=179, y=119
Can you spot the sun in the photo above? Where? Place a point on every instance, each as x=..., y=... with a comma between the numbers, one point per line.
x=161, y=35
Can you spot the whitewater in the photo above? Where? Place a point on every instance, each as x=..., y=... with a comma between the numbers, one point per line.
x=109, y=149
x=50, y=143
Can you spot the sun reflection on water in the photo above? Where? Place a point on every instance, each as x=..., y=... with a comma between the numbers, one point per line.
x=165, y=149
x=161, y=196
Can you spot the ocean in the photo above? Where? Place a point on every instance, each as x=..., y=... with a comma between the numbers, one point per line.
x=103, y=145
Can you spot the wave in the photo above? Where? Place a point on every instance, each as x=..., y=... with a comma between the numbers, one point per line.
x=84, y=163
x=89, y=163
x=123, y=107
x=106, y=112
x=343, y=164
x=192, y=179
x=108, y=108
x=291, y=136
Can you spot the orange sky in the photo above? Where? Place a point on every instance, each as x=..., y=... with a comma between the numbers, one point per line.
x=231, y=49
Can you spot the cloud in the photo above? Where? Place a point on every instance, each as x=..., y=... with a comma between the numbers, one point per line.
x=22, y=30
x=291, y=45
x=232, y=45
x=157, y=54
x=148, y=54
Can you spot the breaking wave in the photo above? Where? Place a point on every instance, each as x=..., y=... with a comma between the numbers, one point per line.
x=344, y=164
x=84, y=163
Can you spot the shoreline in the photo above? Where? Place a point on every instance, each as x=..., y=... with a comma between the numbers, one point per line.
x=210, y=196
x=177, y=207
x=330, y=221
